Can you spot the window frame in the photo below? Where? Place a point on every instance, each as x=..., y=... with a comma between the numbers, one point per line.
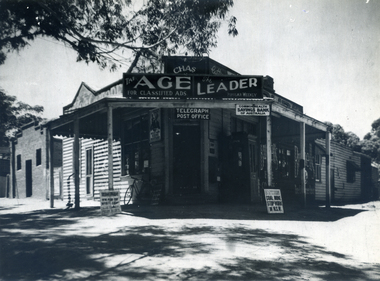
x=38, y=157
x=135, y=146
x=18, y=162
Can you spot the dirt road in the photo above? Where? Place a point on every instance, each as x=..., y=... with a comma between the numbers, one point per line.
x=211, y=242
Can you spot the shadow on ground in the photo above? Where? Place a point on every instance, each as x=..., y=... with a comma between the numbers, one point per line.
x=239, y=212
x=47, y=245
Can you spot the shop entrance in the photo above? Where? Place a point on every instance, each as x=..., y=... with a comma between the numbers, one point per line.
x=186, y=159
x=240, y=174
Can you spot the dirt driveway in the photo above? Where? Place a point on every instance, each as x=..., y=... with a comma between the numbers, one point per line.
x=208, y=242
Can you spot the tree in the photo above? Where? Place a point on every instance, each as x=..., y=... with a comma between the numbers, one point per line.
x=100, y=31
x=349, y=139
x=13, y=115
x=370, y=145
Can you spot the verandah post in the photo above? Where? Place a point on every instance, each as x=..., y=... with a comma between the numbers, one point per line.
x=51, y=166
x=328, y=173
x=269, y=150
x=110, y=147
x=302, y=161
x=76, y=162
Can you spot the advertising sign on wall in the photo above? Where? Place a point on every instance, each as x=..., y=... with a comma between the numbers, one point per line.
x=253, y=110
x=273, y=200
x=192, y=113
x=198, y=87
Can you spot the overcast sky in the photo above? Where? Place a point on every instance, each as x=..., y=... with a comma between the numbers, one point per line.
x=322, y=54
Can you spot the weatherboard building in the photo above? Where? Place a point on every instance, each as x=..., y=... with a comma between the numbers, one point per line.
x=199, y=130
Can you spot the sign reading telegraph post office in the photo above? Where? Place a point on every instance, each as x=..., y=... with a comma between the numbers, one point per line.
x=198, y=87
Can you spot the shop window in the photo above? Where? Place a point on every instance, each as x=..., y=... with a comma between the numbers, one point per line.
x=285, y=162
x=38, y=157
x=136, y=146
x=318, y=164
x=239, y=125
x=18, y=164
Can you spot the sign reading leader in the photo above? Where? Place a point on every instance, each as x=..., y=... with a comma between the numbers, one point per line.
x=168, y=86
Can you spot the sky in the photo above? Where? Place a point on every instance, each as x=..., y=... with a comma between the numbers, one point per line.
x=322, y=54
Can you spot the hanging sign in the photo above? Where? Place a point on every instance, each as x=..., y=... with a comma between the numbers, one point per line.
x=253, y=110
x=195, y=87
x=273, y=200
x=192, y=113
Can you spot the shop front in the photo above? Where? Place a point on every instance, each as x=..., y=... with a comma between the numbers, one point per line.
x=199, y=130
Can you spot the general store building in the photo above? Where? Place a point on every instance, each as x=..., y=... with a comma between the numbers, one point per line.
x=200, y=130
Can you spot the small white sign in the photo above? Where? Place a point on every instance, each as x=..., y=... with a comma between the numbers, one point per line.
x=110, y=202
x=253, y=110
x=274, y=201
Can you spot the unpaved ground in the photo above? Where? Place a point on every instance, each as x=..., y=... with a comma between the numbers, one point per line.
x=212, y=242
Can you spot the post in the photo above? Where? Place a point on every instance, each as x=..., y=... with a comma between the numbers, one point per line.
x=51, y=165
x=269, y=150
x=76, y=162
x=12, y=188
x=110, y=147
x=328, y=173
x=302, y=161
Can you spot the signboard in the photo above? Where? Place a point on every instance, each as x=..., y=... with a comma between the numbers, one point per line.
x=195, y=87
x=273, y=200
x=192, y=113
x=155, y=125
x=253, y=110
x=195, y=65
x=110, y=202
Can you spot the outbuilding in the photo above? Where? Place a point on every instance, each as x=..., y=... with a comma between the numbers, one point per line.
x=31, y=163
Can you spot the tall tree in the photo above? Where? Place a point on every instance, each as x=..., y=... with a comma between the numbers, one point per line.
x=13, y=115
x=370, y=145
x=100, y=31
x=338, y=135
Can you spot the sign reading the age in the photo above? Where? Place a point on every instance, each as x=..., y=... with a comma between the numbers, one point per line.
x=169, y=86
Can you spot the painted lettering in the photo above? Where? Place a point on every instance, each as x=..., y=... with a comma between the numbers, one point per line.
x=144, y=82
x=183, y=83
x=160, y=84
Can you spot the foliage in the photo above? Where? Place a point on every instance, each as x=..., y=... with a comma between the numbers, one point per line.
x=370, y=145
x=345, y=138
x=101, y=30
x=13, y=115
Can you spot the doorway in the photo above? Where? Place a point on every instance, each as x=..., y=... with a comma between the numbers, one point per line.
x=186, y=159
x=253, y=169
x=28, y=178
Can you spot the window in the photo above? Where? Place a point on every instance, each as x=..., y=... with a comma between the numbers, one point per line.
x=239, y=125
x=351, y=167
x=318, y=171
x=136, y=146
x=284, y=162
x=89, y=161
x=19, y=162
x=38, y=157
